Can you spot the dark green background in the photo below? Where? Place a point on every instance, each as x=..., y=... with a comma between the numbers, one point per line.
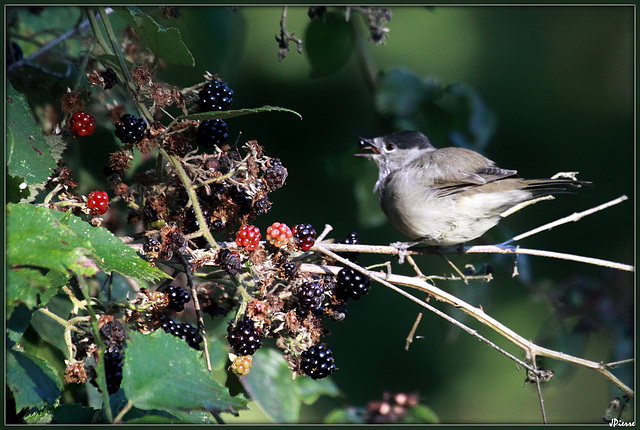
x=559, y=79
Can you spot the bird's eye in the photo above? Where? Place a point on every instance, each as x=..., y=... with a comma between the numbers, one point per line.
x=389, y=147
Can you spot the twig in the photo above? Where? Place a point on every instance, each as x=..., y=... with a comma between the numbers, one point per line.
x=196, y=304
x=412, y=332
x=573, y=217
x=529, y=347
x=286, y=37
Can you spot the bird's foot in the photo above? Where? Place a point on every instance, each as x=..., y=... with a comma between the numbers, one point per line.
x=507, y=245
x=402, y=249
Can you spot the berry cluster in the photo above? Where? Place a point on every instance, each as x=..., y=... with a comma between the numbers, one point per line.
x=229, y=261
x=278, y=234
x=212, y=133
x=178, y=297
x=151, y=246
x=215, y=95
x=305, y=236
x=317, y=362
x=310, y=297
x=248, y=237
x=275, y=175
x=352, y=284
x=130, y=129
x=98, y=202
x=82, y=124
x=113, y=361
x=113, y=336
x=184, y=331
x=244, y=337
x=351, y=239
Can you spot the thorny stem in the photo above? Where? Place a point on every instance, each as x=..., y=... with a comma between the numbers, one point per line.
x=186, y=182
x=102, y=378
x=196, y=304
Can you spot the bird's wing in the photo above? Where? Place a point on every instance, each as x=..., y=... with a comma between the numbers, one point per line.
x=448, y=178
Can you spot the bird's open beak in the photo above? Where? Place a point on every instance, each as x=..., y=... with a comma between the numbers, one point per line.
x=367, y=144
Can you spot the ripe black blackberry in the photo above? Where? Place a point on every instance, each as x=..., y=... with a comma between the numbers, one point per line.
x=229, y=261
x=212, y=133
x=113, y=361
x=289, y=270
x=351, y=284
x=178, y=297
x=215, y=95
x=184, y=331
x=244, y=337
x=130, y=129
x=262, y=206
x=317, y=362
x=351, y=239
x=240, y=195
x=275, y=175
x=190, y=222
x=310, y=297
x=305, y=236
x=110, y=78
x=151, y=245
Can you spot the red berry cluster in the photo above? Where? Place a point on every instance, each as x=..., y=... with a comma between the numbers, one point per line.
x=305, y=236
x=98, y=202
x=249, y=237
x=278, y=234
x=82, y=124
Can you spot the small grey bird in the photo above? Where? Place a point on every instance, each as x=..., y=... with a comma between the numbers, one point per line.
x=447, y=196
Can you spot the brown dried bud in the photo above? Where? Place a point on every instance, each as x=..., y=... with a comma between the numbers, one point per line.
x=141, y=75
x=75, y=373
x=161, y=94
x=120, y=161
x=71, y=102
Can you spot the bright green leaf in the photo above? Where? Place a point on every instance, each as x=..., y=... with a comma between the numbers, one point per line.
x=176, y=379
x=165, y=43
x=329, y=44
x=42, y=237
x=33, y=383
x=28, y=155
x=24, y=285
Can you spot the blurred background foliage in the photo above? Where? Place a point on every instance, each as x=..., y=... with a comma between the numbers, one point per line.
x=537, y=89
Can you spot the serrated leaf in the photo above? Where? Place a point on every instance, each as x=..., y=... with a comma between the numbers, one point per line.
x=72, y=413
x=28, y=155
x=43, y=237
x=226, y=114
x=329, y=44
x=24, y=285
x=19, y=320
x=176, y=379
x=165, y=43
x=33, y=383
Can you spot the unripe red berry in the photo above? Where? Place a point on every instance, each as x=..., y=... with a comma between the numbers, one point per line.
x=98, y=202
x=278, y=234
x=82, y=124
x=249, y=237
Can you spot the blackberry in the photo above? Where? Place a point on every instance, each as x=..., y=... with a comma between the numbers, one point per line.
x=178, y=297
x=275, y=175
x=229, y=261
x=130, y=129
x=262, y=206
x=289, y=270
x=351, y=239
x=217, y=224
x=352, y=284
x=215, y=95
x=110, y=78
x=305, y=236
x=151, y=245
x=317, y=362
x=190, y=222
x=212, y=133
x=310, y=297
x=113, y=335
x=184, y=331
x=241, y=197
x=244, y=337
x=113, y=360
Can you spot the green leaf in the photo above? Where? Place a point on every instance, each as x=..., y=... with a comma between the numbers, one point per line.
x=33, y=383
x=478, y=122
x=401, y=93
x=17, y=324
x=345, y=416
x=226, y=114
x=270, y=385
x=162, y=372
x=420, y=414
x=24, y=285
x=280, y=397
x=73, y=413
x=165, y=43
x=43, y=237
x=329, y=44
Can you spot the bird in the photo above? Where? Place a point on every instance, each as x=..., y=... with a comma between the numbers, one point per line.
x=451, y=195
